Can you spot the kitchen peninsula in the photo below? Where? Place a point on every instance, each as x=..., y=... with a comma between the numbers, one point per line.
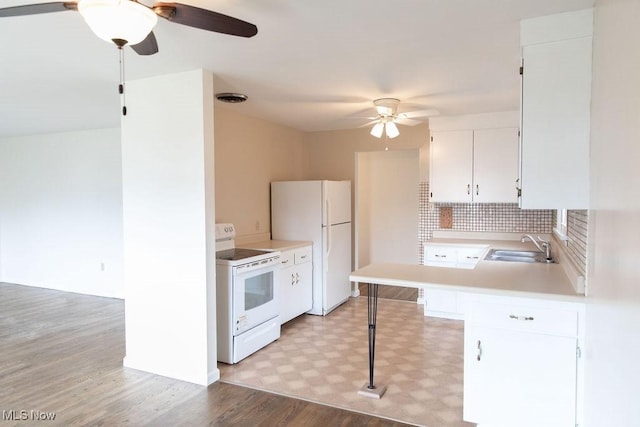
x=524, y=331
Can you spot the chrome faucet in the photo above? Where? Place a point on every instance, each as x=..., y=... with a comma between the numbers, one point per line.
x=543, y=245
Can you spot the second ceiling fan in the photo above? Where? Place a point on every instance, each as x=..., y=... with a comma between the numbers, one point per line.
x=388, y=116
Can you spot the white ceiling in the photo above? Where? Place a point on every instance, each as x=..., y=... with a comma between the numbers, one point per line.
x=314, y=65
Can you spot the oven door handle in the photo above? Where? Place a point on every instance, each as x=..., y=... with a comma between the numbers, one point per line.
x=241, y=271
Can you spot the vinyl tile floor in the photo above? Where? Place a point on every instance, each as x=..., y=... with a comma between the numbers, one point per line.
x=325, y=359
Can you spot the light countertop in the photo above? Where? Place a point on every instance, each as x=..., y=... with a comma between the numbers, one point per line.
x=538, y=280
x=276, y=245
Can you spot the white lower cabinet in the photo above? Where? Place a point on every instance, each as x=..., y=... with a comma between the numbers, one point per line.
x=444, y=303
x=521, y=363
x=296, y=291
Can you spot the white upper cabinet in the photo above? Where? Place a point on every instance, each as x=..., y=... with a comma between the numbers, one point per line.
x=478, y=163
x=495, y=165
x=556, y=94
x=451, y=166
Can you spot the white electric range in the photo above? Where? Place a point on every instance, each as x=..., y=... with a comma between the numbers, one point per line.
x=247, y=297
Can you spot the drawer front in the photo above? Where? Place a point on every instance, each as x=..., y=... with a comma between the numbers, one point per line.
x=439, y=254
x=303, y=255
x=552, y=321
x=470, y=255
x=287, y=258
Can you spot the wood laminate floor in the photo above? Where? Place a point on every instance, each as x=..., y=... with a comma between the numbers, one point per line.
x=61, y=357
x=392, y=292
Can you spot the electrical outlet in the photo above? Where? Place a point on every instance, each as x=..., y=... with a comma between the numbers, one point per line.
x=102, y=266
x=257, y=225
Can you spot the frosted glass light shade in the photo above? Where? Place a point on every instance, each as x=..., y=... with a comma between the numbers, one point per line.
x=118, y=19
x=392, y=130
x=377, y=129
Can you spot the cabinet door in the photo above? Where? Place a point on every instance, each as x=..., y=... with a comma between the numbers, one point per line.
x=443, y=304
x=556, y=94
x=296, y=292
x=516, y=378
x=451, y=166
x=495, y=165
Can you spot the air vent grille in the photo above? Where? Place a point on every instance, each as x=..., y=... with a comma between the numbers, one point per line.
x=232, y=98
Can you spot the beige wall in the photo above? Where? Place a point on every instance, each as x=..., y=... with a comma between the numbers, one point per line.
x=250, y=153
x=332, y=153
x=387, y=207
x=613, y=309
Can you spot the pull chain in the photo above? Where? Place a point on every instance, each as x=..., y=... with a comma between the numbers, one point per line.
x=121, y=85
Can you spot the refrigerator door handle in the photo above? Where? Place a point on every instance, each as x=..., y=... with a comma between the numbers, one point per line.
x=328, y=229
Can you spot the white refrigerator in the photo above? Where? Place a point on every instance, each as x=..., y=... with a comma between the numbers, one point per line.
x=320, y=212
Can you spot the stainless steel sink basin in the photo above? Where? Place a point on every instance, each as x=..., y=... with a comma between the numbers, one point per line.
x=516, y=256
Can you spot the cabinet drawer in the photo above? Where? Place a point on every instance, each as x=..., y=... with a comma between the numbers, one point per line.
x=470, y=255
x=303, y=255
x=543, y=320
x=287, y=258
x=439, y=254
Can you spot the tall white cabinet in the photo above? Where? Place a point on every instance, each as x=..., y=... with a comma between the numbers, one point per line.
x=556, y=96
x=474, y=158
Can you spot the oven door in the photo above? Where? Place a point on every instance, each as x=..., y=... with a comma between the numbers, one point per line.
x=255, y=297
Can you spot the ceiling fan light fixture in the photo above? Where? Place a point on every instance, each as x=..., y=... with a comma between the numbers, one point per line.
x=391, y=129
x=118, y=19
x=386, y=106
x=377, y=129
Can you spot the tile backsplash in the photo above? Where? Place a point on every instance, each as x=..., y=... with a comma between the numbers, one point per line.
x=502, y=217
x=576, y=249
x=491, y=217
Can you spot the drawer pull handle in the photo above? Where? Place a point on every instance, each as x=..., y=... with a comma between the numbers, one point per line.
x=472, y=257
x=440, y=256
x=513, y=316
x=479, y=351
x=284, y=261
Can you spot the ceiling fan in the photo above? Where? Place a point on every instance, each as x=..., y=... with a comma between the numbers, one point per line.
x=131, y=22
x=388, y=116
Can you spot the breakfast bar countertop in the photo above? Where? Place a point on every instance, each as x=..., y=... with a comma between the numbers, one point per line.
x=532, y=280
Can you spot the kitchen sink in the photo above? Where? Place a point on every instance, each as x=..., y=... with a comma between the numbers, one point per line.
x=516, y=256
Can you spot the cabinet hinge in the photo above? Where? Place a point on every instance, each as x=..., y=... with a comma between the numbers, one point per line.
x=521, y=70
x=431, y=139
x=430, y=194
x=578, y=353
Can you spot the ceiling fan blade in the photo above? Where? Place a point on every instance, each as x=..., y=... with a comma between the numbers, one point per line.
x=421, y=113
x=148, y=46
x=34, y=9
x=372, y=122
x=408, y=122
x=205, y=19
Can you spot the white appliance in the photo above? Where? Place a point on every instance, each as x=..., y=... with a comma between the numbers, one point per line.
x=318, y=211
x=247, y=300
